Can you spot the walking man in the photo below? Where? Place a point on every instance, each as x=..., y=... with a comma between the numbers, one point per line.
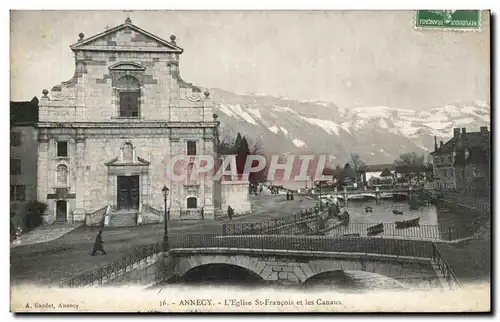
x=230, y=212
x=98, y=245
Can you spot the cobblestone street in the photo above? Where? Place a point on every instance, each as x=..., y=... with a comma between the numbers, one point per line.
x=59, y=259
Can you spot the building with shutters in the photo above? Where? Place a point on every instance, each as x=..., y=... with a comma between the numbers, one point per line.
x=463, y=163
x=107, y=134
x=23, y=156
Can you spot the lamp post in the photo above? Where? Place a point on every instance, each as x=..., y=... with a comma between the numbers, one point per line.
x=164, y=191
x=320, y=201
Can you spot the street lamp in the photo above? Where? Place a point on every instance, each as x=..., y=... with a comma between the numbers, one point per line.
x=320, y=201
x=164, y=191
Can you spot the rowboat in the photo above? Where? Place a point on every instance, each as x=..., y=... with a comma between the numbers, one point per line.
x=397, y=212
x=351, y=235
x=375, y=230
x=408, y=223
x=368, y=209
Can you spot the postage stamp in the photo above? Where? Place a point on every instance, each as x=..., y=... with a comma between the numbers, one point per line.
x=315, y=164
x=448, y=19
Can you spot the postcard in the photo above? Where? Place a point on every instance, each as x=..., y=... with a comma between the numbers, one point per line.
x=250, y=161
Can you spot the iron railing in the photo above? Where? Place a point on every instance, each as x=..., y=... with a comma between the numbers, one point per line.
x=391, y=230
x=97, y=217
x=270, y=226
x=102, y=274
x=423, y=249
x=154, y=211
x=445, y=269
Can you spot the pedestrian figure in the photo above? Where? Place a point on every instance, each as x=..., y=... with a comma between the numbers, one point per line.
x=230, y=212
x=291, y=196
x=98, y=245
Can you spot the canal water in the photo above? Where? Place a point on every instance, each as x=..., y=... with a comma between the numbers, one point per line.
x=434, y=222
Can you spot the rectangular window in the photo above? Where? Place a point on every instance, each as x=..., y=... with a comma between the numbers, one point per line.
x=442, y=160
x=15, y=166
x=62, y=149
x=191, y=147
x=450, y=158
x=17, y=193
x=15, y=138
x=129, y=104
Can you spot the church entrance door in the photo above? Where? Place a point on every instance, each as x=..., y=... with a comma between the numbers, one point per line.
x=128, y=192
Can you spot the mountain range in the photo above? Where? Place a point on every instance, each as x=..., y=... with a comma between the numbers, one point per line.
x=379, y=134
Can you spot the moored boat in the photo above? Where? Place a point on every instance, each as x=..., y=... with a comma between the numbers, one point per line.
x=408, y=223
x=375, y=230
x=351, y=235
x=397, y=212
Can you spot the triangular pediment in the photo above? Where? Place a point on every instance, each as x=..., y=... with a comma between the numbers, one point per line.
x=137, y=162
x=126, y=37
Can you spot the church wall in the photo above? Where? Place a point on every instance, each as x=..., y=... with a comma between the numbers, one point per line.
x=235, y=194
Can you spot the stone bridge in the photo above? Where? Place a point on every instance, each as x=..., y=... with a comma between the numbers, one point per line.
x=276, y=259
x=297, y=267
x=376, y=194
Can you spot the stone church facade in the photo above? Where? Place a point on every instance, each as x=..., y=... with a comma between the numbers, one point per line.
x=105, y=136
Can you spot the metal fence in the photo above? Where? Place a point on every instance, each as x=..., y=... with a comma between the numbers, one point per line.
x=391, y=230
x=352, y=245
x=271, y=226
x=445, y=269
x=99, y=275
x=396, y=247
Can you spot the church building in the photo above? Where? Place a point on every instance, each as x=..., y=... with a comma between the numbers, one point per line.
x=106, y=135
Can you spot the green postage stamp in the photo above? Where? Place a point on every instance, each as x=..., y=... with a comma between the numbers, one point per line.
x=448, y=19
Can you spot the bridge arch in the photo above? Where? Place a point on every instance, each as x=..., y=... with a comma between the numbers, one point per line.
x=350, y=279
x=240, y=263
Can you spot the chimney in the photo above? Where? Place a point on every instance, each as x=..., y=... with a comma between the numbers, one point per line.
x=456, y=132
x=464, y=131
x=440, y=143
x=435, y=143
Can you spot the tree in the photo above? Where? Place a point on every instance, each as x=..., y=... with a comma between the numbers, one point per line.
x=242, y=154
x=356, y=162
x=410, y=158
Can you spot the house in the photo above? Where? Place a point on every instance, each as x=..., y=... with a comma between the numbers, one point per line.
x=443, y=158
x=413, y=173
x=107, y=135
x=23, y=155
x=373, y=174
x=473, y=163
x=463, y=163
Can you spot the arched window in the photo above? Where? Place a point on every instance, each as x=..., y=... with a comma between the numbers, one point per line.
x=62, y=176
x=192, y=203
x=128, y=152
x=129, y=92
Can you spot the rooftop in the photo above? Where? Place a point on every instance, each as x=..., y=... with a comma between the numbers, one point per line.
x=24, y=112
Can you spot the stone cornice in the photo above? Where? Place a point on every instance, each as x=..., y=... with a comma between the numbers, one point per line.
x=125, y=125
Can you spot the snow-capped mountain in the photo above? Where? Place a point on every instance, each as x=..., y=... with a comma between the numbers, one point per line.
x=378, y=133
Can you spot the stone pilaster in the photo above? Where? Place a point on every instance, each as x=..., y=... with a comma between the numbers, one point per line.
x=207, y=184
x=42, y=167
x=79, y=211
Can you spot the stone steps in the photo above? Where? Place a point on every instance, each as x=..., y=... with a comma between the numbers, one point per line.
x=126, y=219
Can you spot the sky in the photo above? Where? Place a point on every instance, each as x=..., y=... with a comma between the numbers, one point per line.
x=350, y=58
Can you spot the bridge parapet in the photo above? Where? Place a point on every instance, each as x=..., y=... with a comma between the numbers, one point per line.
x=313, y=246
